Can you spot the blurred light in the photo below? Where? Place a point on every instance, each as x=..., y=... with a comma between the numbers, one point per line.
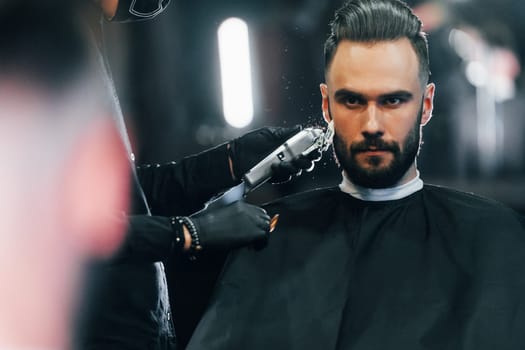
x=503, y=89
x=463, y=43
x=476, y=73
x=234, y=54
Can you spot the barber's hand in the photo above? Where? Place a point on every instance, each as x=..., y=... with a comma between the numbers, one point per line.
x=284, y=171
x=248, y=150
x=232, y=226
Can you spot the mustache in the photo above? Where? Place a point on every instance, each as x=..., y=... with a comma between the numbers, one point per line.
x=375, y=143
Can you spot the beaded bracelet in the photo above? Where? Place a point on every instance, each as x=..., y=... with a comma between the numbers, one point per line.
x=195, y=245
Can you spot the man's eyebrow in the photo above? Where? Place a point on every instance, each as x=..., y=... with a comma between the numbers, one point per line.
x=344, y=93
x=403, y=94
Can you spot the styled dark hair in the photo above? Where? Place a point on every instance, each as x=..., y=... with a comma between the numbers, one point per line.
x=375, y=21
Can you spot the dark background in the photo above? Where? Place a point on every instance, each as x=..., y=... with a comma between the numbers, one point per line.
x=167, y=75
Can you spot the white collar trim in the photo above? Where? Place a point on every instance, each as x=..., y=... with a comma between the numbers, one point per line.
x=381, y=194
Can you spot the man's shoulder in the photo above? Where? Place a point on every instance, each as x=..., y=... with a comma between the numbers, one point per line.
x=468, y=205
x=460, y=198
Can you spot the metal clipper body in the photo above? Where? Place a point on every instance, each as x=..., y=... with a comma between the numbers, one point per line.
x=302, y=143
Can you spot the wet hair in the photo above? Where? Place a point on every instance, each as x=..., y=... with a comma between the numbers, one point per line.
x=371, y=21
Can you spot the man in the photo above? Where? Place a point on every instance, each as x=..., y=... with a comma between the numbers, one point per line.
x=382, y=261
x=128, y=306
x=65, y=176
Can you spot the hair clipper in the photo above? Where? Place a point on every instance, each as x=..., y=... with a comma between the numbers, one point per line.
x=303, y=143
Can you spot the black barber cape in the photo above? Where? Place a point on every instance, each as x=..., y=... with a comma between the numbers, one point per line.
x=439, y=269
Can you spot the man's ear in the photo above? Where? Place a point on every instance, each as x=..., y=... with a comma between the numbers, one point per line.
x=428, y=104
x=325, y=103
x=96, y=189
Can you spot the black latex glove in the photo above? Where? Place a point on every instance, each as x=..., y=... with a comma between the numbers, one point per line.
x=284, y=171
x=235, y=225
x=247, y=150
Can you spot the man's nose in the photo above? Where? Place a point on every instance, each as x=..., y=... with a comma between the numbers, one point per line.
x=373, y=124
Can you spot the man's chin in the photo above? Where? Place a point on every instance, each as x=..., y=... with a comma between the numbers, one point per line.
x=373, y=168
x=372, y=176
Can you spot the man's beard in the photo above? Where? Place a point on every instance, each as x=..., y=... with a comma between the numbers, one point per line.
x=375, y=176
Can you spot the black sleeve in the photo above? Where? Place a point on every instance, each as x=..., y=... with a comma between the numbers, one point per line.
x=172, y=189
x=150, y=239
x=182, y=188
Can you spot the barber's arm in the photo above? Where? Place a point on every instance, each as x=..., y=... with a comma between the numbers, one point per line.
x=155, y=238
x=179, y=189
x=183, y=187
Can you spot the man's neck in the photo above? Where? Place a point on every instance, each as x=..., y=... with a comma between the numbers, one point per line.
x=401, y=190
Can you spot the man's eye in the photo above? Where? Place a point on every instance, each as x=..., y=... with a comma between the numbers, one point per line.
x=353, y=101
x=392, y=101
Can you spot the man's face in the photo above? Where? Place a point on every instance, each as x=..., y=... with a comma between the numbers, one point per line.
x=374, y=96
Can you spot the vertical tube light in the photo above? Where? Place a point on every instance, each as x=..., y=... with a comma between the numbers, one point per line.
x=234, y=55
